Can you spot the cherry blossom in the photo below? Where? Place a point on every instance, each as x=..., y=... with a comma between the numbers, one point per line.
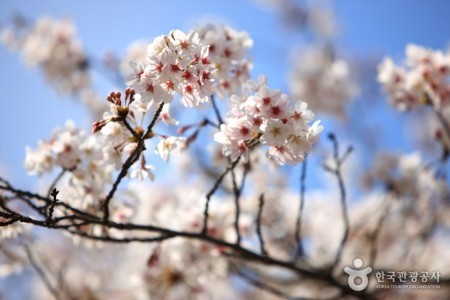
x=422, y=79
x=324, y=80
x=174, y=64
x=275, y=121
x=228, y=54
x=169, y=145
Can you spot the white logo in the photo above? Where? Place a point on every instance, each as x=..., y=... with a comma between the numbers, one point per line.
x=353, y=274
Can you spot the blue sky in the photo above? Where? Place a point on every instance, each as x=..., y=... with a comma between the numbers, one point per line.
x=31, y=109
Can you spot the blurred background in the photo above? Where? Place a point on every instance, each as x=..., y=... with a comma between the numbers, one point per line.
x=359, y=32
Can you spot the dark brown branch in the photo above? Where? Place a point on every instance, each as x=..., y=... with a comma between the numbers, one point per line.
x=25, y=196
x=154, y=119
x=11, y=221
x=134, y=156
x=122, y=240
x=165, y=233
x=211, y=123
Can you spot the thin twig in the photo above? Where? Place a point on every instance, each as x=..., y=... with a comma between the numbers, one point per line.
x=4, y=181
x=134, y=156
x=213, y=190
x=62, y=282
x=258, y=225
x=55, y=182
x=130, y=129
x=298, y=224
x=237, y=192
x=376, y=235
x=41, y=273
x=343, y=194
x=216, y=110
x=154, y=119
x=237, y=206
x=261, y=284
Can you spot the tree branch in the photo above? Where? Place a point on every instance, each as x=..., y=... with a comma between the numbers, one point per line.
x=258, y=225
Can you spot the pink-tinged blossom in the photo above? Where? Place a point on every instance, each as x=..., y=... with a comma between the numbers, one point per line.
x=112, y=157
x=166, y=117
x=227, y=53
x=282, y=155
x=88, y=162
x=422, y=79
x=175, y=64
x=40, y=160
x=142, y=172
x=314, y=131
x=53, y=46
x=113, y=132
x=169, y=145
x=136, y=52
x=275, y=132
x=265, y=116
x=323, y=79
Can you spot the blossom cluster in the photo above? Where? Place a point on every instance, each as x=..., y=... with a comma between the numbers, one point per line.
x=423, y=79
x=52, y=45
x=265, y=116
x=313, y=16
x=177, y=63
x=322, y=79
x=227, y=52
x=136, y=52
x=83, y=156
x=120, y=140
